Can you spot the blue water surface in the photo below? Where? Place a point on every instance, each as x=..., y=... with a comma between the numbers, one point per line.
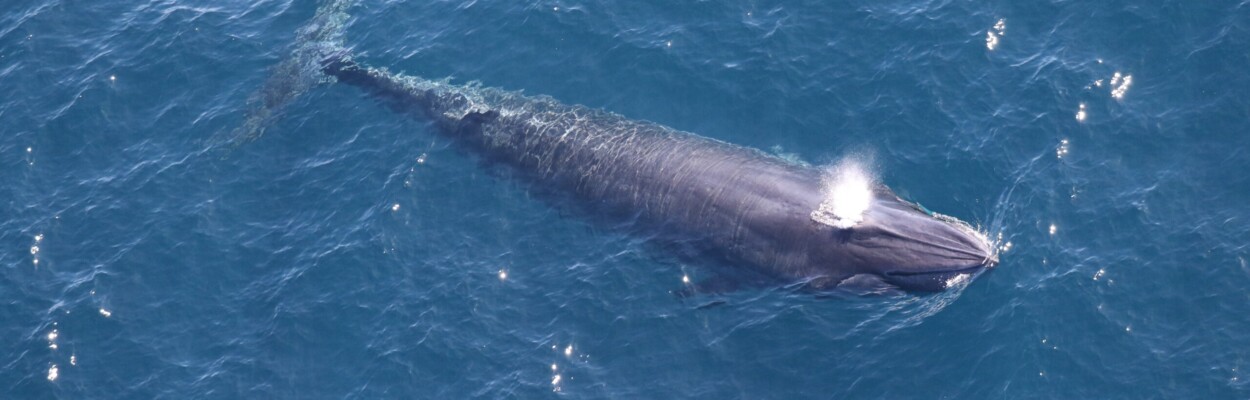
x=352, y=252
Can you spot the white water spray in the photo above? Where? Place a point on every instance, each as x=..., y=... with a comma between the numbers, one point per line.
x=848, y=193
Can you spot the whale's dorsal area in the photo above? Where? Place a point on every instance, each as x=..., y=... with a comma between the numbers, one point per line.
x=784, y=219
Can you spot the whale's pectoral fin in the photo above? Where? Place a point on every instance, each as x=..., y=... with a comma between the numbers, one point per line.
x=866, y=284
x=817, y=284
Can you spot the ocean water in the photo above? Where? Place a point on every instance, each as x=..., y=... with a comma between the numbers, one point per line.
x=351, y=252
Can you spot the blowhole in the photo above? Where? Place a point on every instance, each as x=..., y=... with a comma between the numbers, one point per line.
x=847, y=193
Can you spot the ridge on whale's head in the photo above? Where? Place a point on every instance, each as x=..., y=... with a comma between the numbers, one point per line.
x=903, y=244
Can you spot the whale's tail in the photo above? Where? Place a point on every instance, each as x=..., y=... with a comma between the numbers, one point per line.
x=300, y=71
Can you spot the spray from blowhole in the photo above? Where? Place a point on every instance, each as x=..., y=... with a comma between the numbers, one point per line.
x=847, y=194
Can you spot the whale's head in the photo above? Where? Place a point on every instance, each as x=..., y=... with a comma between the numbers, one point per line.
x=907, y=246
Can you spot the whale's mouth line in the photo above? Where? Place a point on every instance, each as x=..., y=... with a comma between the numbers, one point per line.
x=971, y=269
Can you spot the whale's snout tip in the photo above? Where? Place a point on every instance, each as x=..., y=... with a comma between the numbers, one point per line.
x=930, y=252
x=992, y=260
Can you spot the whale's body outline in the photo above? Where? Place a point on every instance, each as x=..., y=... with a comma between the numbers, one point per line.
x=741, y=204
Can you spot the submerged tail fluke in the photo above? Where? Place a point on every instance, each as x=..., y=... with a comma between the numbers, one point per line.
x=320, y=39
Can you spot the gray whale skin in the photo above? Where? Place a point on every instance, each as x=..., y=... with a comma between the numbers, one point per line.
x=744, y=205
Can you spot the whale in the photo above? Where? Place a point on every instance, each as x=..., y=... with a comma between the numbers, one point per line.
x=742, y=206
